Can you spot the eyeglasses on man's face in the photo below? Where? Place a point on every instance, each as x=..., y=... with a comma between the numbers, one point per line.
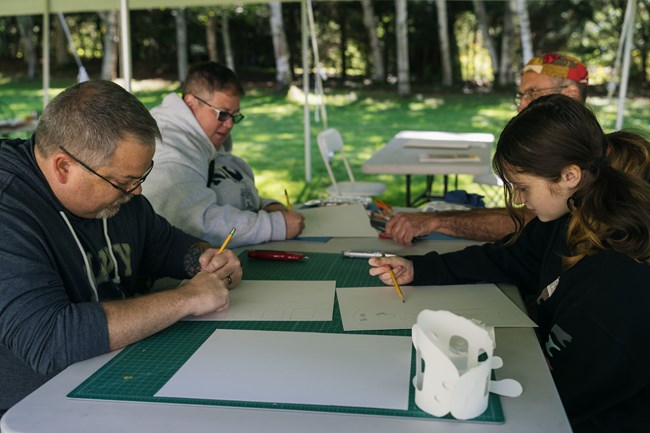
x=130, y=186
x=533, y=93
x=222, y=115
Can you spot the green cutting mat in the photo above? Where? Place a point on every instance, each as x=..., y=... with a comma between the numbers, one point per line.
x=348, y=272
x=141, y=369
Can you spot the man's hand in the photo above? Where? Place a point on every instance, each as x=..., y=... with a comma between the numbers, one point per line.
x=404, y=227
x=206, y=293
x=295, y=223
x=402, y=268
x=226, y=266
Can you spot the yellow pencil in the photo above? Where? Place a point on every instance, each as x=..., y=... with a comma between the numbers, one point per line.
x=225, y=242
x=392, y=275
x=286, y=195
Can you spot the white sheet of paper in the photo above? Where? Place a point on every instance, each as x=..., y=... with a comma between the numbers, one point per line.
x=299, y=368
x=366, y=308
x=278, y=301
x=337, y=221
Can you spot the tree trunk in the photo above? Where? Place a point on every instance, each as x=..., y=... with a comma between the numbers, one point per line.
x=484, y=27
x=280, y=48
x=445, y=53
x=211, y=36
x=109, y=62
x=369, y=21
x=181, y=42
x=61, y=56
x=343, y=25
x=225, y=37
x=26, y=29
x=401, y=33
x=524, y=29
x=507, y=39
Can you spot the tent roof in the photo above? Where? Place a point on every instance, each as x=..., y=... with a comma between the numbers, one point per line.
x=37, y=7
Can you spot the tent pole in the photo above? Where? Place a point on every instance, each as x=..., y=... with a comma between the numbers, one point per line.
x=305, y=90
x=625, y=76
x=46, y=53
x=125, y=38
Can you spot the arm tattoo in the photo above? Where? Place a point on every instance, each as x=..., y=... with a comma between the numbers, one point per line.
x=191, y=260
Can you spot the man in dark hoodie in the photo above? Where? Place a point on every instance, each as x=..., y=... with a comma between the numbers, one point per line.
x=80, y=245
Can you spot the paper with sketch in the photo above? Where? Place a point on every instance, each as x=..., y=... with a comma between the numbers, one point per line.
x=366, y=308
x=278, y=301
x=297, y=368
x=337, y=221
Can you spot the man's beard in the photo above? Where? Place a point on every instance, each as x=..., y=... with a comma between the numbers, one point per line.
x=112, y=209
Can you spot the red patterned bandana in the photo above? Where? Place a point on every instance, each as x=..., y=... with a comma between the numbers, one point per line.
x=558, y=65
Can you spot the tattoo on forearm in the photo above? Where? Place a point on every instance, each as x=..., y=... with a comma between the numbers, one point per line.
x=191, y=260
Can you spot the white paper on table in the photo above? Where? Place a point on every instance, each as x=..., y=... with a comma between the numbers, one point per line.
x=368, y=308
x=337, y=221
x=297, y=368
x=278, y=301
x=444, y=140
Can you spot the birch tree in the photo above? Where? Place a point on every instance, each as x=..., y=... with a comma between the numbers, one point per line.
x=280, y=48
x=507, y=40
x=484, y=28
x=401, y=33
x=211, y=36
x=181, y=42
x=26, y=29
x=524, y=30
x=369, y=21
x=225, y=37
x=61, y=56
x=109, y=61
x=445, y=52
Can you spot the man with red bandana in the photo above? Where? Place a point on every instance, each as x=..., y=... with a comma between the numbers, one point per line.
x=543, y=75
x=197, y=183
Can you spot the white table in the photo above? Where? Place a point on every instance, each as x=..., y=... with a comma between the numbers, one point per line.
x=402, y=154
x=538, y=409
x=17, y=128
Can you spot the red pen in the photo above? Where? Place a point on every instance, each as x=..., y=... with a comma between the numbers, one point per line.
x=276, y=255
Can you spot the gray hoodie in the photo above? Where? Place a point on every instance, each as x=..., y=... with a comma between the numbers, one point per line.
x=178, y=185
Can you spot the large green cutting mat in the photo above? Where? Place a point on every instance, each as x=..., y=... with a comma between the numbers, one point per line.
x=348, y=272
x=141, y=369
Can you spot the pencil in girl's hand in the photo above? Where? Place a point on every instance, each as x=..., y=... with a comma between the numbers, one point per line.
x=225, y=242
x=286, y=195
x=392, y=275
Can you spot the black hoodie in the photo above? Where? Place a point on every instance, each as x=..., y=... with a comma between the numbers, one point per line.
x=593, y=329
x=49, y=316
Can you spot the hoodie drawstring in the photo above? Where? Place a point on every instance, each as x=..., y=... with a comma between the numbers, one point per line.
x=89, y=273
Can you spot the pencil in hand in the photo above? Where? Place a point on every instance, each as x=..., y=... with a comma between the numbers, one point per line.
x=392, y=276
x=225, y=242
x=286, y=195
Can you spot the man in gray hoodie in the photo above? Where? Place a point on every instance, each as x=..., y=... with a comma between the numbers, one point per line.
x=198, y=184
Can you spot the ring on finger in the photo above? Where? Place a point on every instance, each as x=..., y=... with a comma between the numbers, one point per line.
x=229, y=280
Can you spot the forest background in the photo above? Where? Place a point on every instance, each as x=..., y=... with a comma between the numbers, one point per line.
x=382, y=57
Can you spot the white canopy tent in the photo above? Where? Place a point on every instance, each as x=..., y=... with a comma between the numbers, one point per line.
x=48, y=7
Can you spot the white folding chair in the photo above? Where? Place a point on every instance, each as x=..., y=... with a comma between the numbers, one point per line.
x=330, y=144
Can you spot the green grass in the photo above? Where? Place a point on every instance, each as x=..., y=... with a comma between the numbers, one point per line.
x=271, y=138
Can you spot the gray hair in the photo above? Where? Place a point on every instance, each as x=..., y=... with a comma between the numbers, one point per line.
x=89, y=119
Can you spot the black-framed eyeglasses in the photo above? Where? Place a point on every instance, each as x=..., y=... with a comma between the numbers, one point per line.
x=533, y=93
x=223, y=115
x=132, y=186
